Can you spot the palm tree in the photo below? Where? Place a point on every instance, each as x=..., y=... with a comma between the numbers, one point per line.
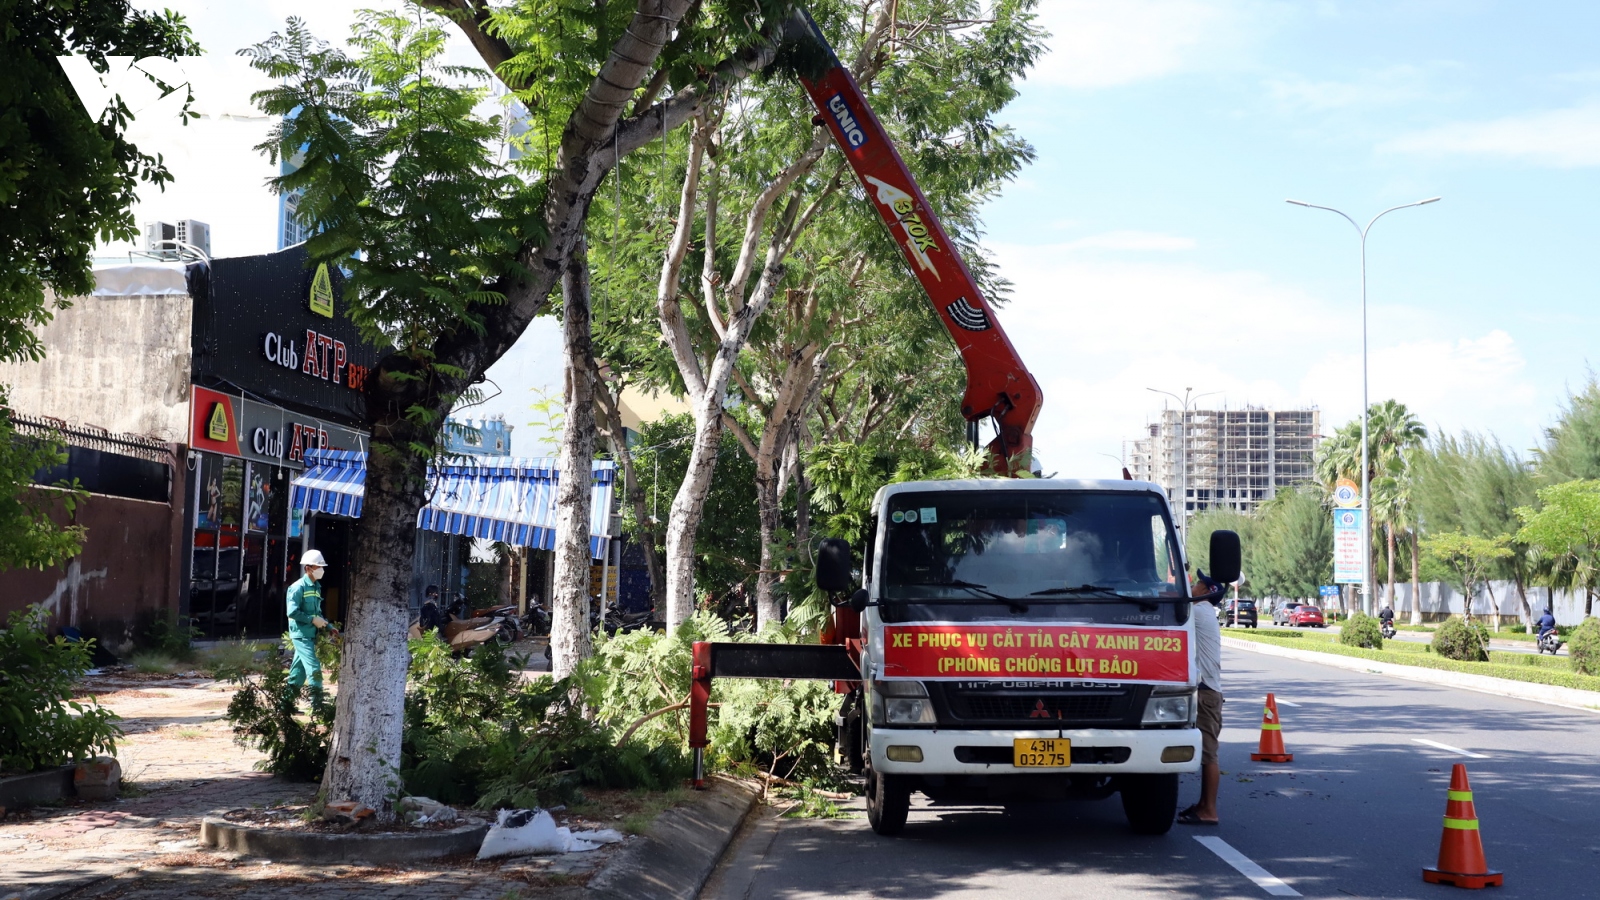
x=1393, y=432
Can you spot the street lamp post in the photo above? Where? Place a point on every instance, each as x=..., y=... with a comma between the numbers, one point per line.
x=1183, y=455
x=1366, y=475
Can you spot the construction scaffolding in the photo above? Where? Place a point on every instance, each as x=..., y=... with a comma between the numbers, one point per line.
x=1232, y=458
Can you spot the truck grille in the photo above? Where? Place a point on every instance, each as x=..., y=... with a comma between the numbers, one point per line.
x=1090, y=706
x=1046, y=707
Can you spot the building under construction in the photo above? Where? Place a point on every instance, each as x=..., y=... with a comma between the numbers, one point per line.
x=1232, y=458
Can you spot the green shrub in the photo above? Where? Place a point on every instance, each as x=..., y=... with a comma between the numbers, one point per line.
x=1535, y=674
x=1361, y=630
x=785, y=728
x=1455, y=639
x=1584, y=645
x=40, y=724
x=162, y=633
x=264, y=714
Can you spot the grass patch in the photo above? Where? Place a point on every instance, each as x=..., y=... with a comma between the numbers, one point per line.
x=1554, y=671
x=188, y=734
x=154, y=662
x=231, y=659
x=645, y=806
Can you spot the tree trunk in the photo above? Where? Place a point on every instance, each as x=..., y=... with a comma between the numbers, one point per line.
x=1494, y=605
x=609, y=418
x=364, y=751
x=569, y=610
x=1416, y=581
x=688, y=506
x=1522, y=595
x=1388, y=534
x=768, y=509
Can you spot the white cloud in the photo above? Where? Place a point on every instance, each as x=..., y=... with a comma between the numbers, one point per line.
x=1131, y=240
x=1098, y=333
x=1096, y=44
x=1385, y=87
x=1563, y=138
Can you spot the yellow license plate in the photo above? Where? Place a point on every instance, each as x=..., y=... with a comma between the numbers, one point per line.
x=1041, y=753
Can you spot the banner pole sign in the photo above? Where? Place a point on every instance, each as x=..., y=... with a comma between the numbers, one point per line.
x=1347, y=546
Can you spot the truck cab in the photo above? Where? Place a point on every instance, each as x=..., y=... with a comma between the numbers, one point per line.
x=1023, y=639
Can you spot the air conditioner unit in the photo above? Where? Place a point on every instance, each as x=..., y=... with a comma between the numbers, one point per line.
x=196, y=234
x=159, y=237
x=177, y=240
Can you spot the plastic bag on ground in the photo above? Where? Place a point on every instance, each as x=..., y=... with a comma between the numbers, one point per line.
x=519, y=832
x=523, y=832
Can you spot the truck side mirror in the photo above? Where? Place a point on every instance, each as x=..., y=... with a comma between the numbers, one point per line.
x=1225, y=556
x=859, y=600
x=833, y=566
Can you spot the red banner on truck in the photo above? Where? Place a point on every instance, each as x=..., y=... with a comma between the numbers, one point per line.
x=958, y=651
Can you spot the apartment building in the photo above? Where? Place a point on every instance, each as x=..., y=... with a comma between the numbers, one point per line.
x=1234, y=458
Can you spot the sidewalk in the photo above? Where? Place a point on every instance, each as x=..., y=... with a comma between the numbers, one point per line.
x=180, y=757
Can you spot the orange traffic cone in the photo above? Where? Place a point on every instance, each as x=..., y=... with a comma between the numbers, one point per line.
x=1461, y=861
x=1271, y=748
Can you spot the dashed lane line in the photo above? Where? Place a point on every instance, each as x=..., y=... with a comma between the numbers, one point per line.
x=1283, y=701
x=1247, y=867
x=1449, y=749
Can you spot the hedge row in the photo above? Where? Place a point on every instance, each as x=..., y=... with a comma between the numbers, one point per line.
x=1535, y=674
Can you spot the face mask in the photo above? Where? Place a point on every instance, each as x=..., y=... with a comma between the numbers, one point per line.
x=316, y=573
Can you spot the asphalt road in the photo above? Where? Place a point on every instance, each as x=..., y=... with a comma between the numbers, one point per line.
x=1357, y=814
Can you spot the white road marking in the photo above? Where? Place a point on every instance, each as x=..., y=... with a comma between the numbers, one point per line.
x=1283, y=701
x=1247, y=867
x=1446, y=747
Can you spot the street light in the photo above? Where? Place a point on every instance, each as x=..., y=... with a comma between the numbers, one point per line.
x=1366, y=486
x=1183, y=450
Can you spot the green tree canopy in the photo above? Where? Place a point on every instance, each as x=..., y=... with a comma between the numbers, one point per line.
x=67, y=180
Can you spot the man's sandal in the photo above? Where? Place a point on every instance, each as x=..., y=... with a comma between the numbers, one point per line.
x=1190, y=817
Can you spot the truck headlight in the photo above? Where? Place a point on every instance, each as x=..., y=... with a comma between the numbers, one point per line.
x=900, y=703
x=1169, y=709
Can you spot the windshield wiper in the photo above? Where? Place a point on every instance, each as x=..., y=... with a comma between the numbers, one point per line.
x=1080, y=589
x=983, y=590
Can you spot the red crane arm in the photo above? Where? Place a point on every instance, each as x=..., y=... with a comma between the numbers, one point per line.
x=998, y=384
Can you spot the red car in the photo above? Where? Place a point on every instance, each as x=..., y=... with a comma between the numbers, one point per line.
x=1303, y=616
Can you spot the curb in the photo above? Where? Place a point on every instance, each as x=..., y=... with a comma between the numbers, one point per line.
x=38, y=788
x=1549, y=694
x=299, y=846
x=679, y=851
x=57, y=888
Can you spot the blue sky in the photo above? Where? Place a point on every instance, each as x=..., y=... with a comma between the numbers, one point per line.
x=1150, y=245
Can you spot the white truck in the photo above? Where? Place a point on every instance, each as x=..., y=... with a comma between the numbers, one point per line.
x=1021, y=639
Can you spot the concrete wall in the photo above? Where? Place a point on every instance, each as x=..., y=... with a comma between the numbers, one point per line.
x=129, y=566
x=121, y=363
x=1440, y=601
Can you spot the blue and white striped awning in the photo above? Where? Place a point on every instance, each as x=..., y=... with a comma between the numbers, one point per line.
x=495, y=498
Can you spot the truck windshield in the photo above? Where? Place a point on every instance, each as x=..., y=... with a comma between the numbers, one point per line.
x=1030, y=554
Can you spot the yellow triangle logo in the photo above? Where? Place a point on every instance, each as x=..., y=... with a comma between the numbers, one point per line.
x=322, y=292
x=217, y=427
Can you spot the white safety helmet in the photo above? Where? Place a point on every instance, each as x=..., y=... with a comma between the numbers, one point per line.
x=313, y=558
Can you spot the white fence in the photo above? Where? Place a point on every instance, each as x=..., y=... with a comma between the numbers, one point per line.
x=1440, y=600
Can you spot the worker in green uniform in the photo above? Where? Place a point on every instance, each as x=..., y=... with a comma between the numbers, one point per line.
x=305, y=617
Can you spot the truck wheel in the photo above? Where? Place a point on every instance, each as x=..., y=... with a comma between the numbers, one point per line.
x=1150, y=802
x=889, y=801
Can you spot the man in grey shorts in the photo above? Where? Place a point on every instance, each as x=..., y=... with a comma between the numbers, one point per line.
x=1208, y=659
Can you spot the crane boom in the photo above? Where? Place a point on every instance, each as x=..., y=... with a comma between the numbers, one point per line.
x=999, y=385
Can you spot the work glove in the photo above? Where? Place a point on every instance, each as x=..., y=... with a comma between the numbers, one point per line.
x=319, y=621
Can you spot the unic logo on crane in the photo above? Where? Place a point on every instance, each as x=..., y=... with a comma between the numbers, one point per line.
x=853, y=133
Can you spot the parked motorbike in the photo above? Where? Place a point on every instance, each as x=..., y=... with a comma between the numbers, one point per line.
x=1550, y=643
x=619, y=621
